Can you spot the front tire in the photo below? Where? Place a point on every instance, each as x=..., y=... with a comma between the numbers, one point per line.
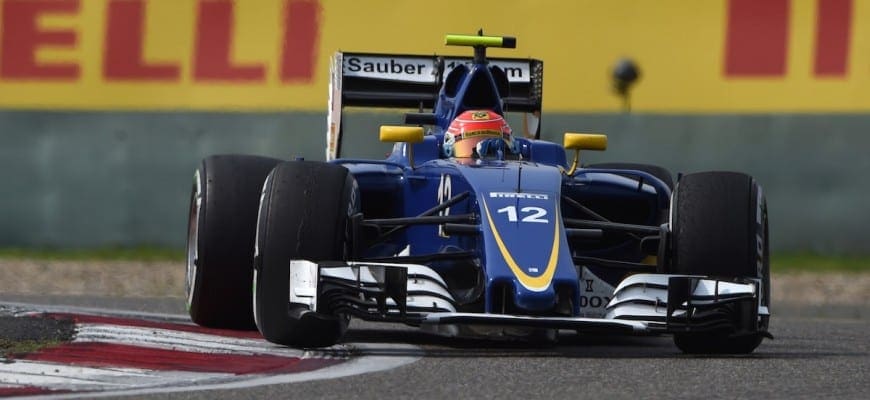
x=719, y=229
x=304, y=215
x=220, y=240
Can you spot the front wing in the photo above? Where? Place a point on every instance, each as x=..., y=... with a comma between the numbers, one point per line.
x=416, y=295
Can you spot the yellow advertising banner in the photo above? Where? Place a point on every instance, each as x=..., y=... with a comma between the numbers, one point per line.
x=260, y=55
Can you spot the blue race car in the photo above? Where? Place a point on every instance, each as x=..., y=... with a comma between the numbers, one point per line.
x=468, y=228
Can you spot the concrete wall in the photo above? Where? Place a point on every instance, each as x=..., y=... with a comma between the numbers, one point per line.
x=89, y=179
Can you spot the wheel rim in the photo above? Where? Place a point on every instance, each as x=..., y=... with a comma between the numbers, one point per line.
x=257, y=247
x=193, y=239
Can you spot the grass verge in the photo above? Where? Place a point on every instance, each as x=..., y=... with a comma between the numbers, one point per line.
x=100, y=254
x=809, y=262
x=780, y=262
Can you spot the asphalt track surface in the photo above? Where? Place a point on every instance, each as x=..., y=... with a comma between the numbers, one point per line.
x=818, y=354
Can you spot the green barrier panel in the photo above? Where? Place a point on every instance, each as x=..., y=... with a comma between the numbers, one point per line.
x=90, y=179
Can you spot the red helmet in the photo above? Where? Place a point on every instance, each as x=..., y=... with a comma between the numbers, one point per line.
x=473, y=127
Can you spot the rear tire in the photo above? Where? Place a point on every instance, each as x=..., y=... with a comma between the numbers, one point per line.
x=220, y=240
x=304, y=215
x=719, y=229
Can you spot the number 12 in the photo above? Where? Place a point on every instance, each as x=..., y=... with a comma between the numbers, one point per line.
x=535, y=214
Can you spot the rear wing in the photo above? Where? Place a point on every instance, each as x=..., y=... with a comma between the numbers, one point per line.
x=413, y=82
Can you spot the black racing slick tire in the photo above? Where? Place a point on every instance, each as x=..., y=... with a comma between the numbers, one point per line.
x=220, y=239
x=659, y=172
x=304, y=215
x=719, y=229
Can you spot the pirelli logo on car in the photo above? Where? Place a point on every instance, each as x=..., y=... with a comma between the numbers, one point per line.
x=515, y=195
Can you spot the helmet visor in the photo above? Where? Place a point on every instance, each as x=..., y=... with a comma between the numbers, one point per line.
x=467, y=141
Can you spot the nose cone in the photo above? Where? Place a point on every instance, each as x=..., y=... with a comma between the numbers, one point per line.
x=526, y=248
x=525, y=251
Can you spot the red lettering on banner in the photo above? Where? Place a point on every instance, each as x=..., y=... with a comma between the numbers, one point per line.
x=124, y=44
x=214, y=34
x=301, y=28
x=833, y=25
x=757, y=38
x=21, y=37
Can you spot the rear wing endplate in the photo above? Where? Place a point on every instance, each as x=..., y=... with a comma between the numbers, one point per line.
x=413, y=82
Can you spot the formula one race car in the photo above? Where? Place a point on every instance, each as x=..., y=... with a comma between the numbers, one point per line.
x=468, y=229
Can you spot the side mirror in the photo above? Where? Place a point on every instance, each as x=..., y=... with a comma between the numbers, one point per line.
x=407, y=134
x=410, y=134
x=583, y=141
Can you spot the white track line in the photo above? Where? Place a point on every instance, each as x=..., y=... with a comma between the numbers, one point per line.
x=356, y=366
x=119, y=381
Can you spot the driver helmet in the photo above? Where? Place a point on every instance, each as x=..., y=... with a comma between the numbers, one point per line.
x=475, y=132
